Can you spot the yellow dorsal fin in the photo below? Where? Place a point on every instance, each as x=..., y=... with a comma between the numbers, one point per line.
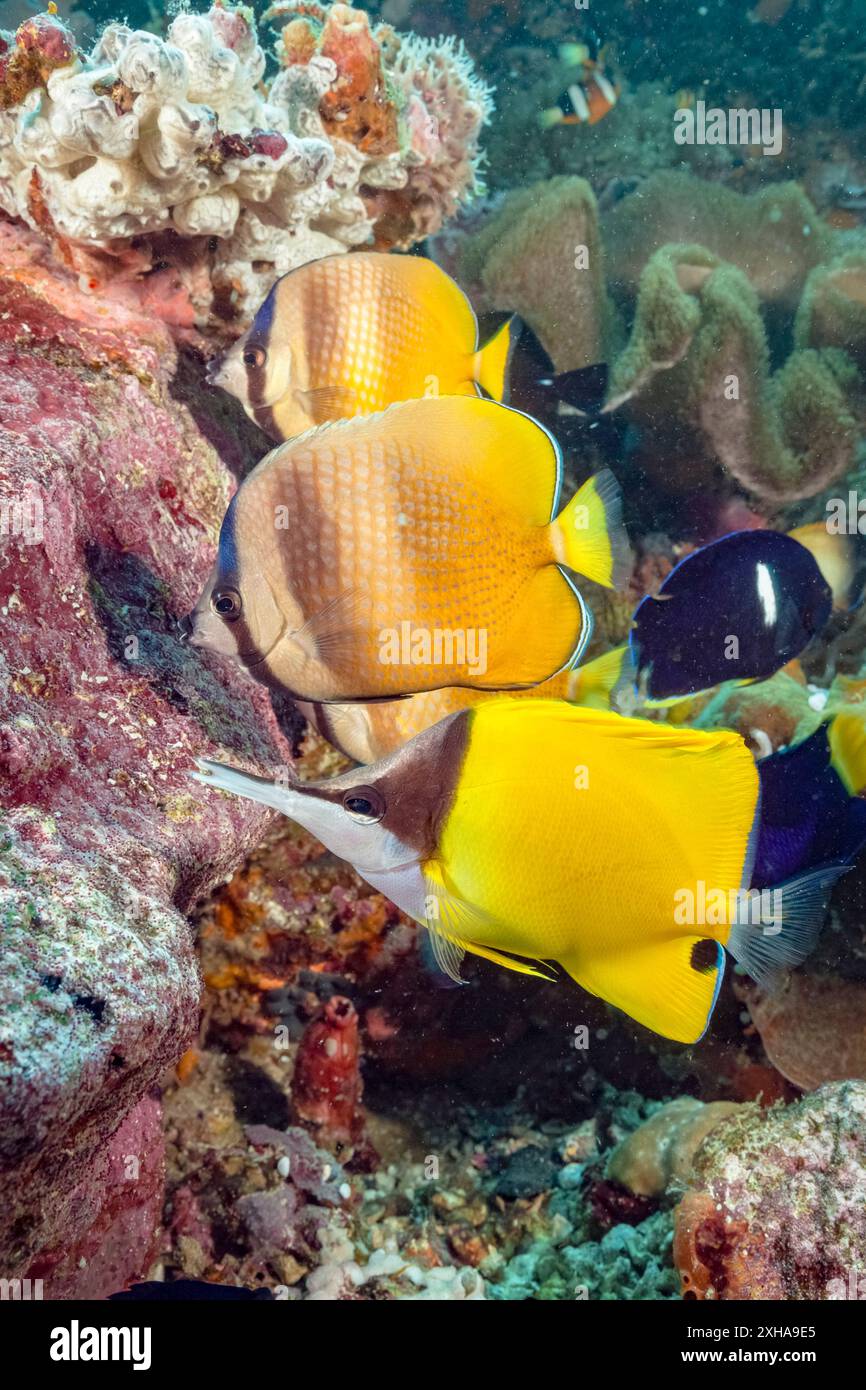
x=441, y=299
x=500, y=450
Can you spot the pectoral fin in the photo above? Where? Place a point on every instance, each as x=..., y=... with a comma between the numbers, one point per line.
x=339, y=630
x=324, y=403
x=452, y=923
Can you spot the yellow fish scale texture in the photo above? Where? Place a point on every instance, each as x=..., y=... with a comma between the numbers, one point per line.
x=643, y=811
x=417, y=547
x=368, y=334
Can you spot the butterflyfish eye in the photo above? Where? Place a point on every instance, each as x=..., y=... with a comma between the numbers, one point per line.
x=227, y=602
x=364, y=804
x=255, y=357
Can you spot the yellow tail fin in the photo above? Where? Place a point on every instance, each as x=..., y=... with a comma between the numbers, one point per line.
x=492, y=361
x=848, y=748
x=589, y=536
x=596, y=684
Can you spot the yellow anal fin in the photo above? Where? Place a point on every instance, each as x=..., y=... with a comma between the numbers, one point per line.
x=452, y=923
x=491, y=363
x=549, y=630
x=669, y=985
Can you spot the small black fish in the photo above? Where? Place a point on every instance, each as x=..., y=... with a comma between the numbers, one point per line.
x=739, y=609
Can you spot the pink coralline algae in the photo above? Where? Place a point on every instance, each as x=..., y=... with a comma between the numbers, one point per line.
x=114, y=477
x=115, y=1212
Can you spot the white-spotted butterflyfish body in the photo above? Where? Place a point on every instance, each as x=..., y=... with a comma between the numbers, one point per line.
x=411, y=550
x=350, y=335
x=531, y=831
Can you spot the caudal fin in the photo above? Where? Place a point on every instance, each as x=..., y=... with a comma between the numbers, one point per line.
x=778, y=930
x=589, y=535
x=493, y=360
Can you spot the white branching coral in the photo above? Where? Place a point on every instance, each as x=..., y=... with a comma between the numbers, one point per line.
x=362, y=137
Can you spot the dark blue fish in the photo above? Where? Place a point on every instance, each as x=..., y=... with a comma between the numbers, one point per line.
x=740, y=609
x=807, y=818
x=188, y=1290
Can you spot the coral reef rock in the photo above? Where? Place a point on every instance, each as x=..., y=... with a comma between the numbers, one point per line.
x=112, y=497
x=778, y=1208
x=660, y=1152
x=179, y=150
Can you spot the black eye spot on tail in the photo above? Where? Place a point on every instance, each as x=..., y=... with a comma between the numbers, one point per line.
x=704, y=957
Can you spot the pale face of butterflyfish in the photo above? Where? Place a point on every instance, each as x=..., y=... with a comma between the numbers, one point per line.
x=257, y=369
x=237, y=613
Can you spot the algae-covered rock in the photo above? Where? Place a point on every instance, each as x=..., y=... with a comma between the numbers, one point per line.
x=779, y=1205
x=114, y=494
